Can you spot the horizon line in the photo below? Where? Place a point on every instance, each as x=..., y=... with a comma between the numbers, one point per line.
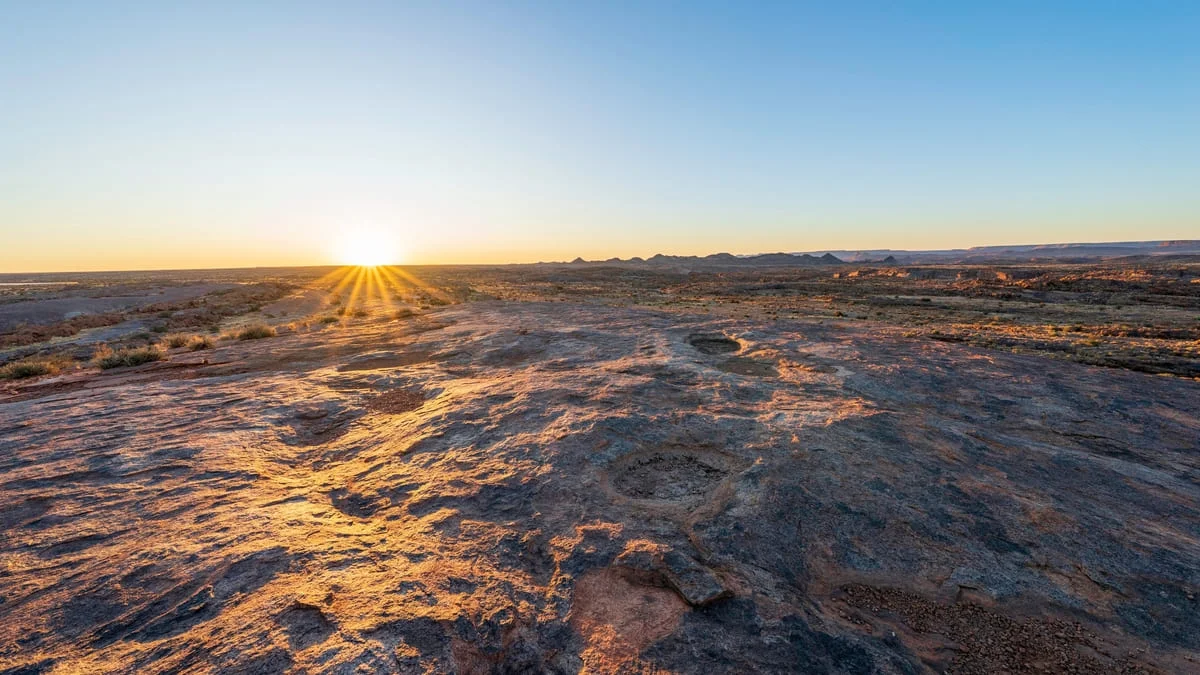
x=816, y=252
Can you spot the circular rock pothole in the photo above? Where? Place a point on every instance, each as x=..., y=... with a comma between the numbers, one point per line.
x=709, y=343
x=397, y=401
x=669, y=475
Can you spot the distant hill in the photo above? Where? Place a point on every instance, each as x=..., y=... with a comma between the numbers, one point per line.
x=978, y=254
x=716, y=260
x=1024, y=253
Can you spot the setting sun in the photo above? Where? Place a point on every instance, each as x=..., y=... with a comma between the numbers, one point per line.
x=366, y=248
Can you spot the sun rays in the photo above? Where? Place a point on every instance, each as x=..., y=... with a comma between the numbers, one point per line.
x=363, y=290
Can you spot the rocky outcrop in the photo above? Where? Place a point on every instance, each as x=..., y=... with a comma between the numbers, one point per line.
x=531, y=487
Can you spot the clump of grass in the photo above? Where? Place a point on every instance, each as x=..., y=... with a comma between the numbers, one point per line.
x=329, y=319
x=403, y=313
x=31, y=367
x=106, y=358
x=256, y=332
x=177, y=340
x=199, y=342
x=360, y=313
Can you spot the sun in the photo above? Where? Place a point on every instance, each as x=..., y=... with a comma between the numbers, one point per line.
x=366, y=248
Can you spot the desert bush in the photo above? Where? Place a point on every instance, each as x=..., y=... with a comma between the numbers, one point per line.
x=329, y=319
x=177, y=340
x=360, y=313
x=256, y=332
x=403, y=313
x=199, y=342
x=106, y=358
x=30, y=367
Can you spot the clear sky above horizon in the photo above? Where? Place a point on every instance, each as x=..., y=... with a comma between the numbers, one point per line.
x=168, y=135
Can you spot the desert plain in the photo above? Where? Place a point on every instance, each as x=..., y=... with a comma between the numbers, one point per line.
x=660, y=466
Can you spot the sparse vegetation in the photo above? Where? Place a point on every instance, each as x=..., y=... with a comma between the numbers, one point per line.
x=32, y=367
x=329, y=319
x=199, y=342
x=256, y=332
x=184, y=315
x=107, y=358
x=177, y=340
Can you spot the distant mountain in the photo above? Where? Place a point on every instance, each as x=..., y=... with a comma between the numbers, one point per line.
x=977, y=254
x=715, y=260
x=1022, y=253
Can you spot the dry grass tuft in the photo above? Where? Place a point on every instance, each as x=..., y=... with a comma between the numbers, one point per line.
x=256, y=332
x=32, y=367
x=106, y=358
x=177, y=340
x=199, y=342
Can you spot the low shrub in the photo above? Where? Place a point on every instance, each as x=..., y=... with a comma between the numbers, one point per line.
x=177, y=340
x=199, y=342
x=30, y=367
x=106, y=358
x=256, y=332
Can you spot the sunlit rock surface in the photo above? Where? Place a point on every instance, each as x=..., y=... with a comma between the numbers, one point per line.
x=566, y=488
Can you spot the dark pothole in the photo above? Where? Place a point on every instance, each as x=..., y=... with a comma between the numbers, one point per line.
x=397, y=401
x=707, y=343
x=667, y=475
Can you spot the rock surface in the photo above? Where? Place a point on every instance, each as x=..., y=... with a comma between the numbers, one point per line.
x=531, y=487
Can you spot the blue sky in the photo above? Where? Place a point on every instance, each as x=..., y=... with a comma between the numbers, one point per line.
x=142, y=135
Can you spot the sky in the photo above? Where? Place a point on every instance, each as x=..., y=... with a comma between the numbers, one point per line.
x=173, y=135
